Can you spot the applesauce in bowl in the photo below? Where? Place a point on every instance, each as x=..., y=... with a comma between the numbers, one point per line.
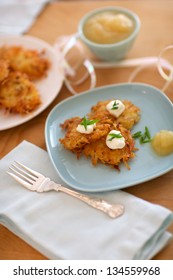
x=109, y=32
x=108, y=27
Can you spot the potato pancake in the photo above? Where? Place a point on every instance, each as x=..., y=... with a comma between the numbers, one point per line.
x=30, y=62
x=96, y=144
x=99, y=152
x=4, y=70
x=18, y=94
x=127, y=119
x=75, y=141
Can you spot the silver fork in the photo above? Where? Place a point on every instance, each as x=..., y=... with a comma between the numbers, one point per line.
x=35, y=181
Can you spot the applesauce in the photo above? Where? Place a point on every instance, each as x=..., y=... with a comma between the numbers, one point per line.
x=108, y=27
x=162, y=142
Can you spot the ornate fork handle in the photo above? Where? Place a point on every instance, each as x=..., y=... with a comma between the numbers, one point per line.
x=113, y=210
x=35, y=181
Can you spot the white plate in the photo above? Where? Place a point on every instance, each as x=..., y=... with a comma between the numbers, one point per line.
x=48, y=87
x=157, y=114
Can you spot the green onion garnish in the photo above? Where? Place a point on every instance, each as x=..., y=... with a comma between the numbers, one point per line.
x=143, y=137
x=86, y=122
x=115, y=106
x=114, y=135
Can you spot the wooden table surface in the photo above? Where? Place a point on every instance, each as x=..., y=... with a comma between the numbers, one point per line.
x=61, y=18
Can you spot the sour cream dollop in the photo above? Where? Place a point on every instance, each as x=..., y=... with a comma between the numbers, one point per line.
x=89, y=129
x=115, y=107
x=115, y=140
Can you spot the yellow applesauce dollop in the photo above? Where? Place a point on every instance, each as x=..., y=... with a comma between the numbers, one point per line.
x=108, y=27
x=162, y=142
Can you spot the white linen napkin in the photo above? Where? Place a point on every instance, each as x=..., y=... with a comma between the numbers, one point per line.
x=17, y=16
x=62, y=227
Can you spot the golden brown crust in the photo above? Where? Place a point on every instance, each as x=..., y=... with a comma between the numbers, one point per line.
x=99, y=152
x=94, y=145
x=18, y=68
x=75, y=140
x=127, y=119
x=30, y=62
x=4, y=70
x=18, y=94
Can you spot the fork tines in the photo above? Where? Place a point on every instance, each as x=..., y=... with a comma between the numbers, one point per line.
x=23, y=174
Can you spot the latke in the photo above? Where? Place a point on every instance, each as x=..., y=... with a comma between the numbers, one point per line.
x=18, y=94
x=94, y=145
x=100, y=153
x=127, y=119
x=4, y=70
x=75, y=141
x=30, y=62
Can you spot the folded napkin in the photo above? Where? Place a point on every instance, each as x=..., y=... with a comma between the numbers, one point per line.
x=17, y=16
x=62, y=227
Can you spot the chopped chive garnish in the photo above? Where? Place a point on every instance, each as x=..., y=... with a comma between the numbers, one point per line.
x=115, y=106
x=137, y=134
x=147, y=132
x=143, y=137
x=86, y=122
x=114, y=135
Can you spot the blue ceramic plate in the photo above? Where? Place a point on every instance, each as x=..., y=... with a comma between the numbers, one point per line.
x=156, y=114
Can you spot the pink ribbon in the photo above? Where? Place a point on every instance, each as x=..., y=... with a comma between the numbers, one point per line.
x=65, y=43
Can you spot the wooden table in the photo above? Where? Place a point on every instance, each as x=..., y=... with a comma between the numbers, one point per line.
x=62, y=18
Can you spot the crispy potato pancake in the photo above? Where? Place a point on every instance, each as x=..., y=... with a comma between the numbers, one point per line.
x=4, y=70
x=99, y=152
x=18, y=94
x=127, y=119
x=30, y=62
x=75, y=140
x=94, y=145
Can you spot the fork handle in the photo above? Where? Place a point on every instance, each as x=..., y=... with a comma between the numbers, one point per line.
x=113, y=210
